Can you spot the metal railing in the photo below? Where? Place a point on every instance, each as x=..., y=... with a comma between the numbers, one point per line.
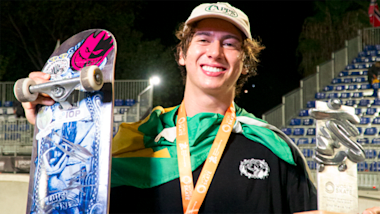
x=371, y=36
x=298, y=98
x=129, y=89
x=16, y=136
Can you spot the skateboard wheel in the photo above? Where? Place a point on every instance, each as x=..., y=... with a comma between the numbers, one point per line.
x=91, y=78
x=21, y=90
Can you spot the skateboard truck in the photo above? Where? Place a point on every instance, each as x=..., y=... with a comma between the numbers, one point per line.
x=91, y=79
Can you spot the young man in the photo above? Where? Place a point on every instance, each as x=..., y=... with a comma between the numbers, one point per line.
x=185, y=158
x=206, y=155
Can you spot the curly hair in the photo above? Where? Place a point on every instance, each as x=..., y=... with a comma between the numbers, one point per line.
x=250, y=49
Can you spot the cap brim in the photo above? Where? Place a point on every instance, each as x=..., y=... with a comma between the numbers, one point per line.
x=219, y=16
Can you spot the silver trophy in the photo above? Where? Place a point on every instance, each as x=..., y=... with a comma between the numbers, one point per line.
x=337, y=154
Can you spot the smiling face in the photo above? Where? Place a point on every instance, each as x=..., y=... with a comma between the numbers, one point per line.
x=213, y=60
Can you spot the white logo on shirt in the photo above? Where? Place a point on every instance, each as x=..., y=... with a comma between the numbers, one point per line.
x=257, y=169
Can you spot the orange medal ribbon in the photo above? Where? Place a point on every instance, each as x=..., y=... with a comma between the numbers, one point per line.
x=193, y=199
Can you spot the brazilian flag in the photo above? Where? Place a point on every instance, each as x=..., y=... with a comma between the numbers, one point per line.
x=144, y=153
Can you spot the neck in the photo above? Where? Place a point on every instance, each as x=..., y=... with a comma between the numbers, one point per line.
x=199, y=102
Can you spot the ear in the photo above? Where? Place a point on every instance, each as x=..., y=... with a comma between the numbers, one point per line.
x=244, y=71
x=181, y=59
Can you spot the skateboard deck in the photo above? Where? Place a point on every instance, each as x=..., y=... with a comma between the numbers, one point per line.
x=71, y=157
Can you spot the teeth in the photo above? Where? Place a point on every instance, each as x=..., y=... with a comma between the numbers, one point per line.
x=212, y=69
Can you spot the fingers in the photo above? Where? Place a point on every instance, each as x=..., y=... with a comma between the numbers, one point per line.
x=373, y=210
x=43, y=99
x=39, y=76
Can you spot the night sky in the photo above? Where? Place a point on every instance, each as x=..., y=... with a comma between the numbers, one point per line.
x=276, y=23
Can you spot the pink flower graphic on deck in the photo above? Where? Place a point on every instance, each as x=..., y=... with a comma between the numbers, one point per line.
x=93, y=51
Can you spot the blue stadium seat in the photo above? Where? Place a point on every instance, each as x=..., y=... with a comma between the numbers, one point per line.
x=11, y=127
x=8, y=104
x=360, y=79
x=369, y=48
x=376, y=141
x=313, y=140
x=308, y=122
x=310, y=132
x=357, y=60
x=373, y=167
x=12, y=136
x=351, y=66
x=320, y=95
x=370, y=131
x=118, y=102
x=371, y=59
x=371, y=154
x=371, y=111
x=129, y=102
x=298, y=131
x=304, y=113
x=310, y=104
x=348, y=80
x=307, y=152
x=350, y=102
x=358, y=111
x=364, y=102
x=362, y=166
x=340, y=87
x=332, y=95
x=365, y=120
x=25, y=127
x=365, y=86
x=352, y=87
x=376, y=120
x=295, y=122
x=361, y=54
x=343, y=73
x=362, y=140
x=328, y=88
x=355, y=73
x=287, y=131
x=357, y=94
x=312, y=165
x=302, y=140
x=365, y=72
x=371, y=53
x=336, y=81
x=345, y=95
x=122, y=110
x=376, y=102
x=360, y=130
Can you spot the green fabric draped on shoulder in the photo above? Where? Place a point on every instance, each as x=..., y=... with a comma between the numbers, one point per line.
x=154, y=161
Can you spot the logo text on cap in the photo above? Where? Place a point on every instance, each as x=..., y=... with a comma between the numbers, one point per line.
x=221, y=9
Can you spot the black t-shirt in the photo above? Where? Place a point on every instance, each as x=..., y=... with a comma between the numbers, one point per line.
x=286, y=189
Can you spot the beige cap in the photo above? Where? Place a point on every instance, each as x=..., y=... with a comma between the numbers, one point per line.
x=223, y=11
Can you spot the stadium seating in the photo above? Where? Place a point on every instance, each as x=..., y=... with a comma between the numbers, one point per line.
x=352, y=87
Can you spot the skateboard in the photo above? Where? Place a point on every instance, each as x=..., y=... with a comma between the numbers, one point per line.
x=337, y=154
x=71, y=157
